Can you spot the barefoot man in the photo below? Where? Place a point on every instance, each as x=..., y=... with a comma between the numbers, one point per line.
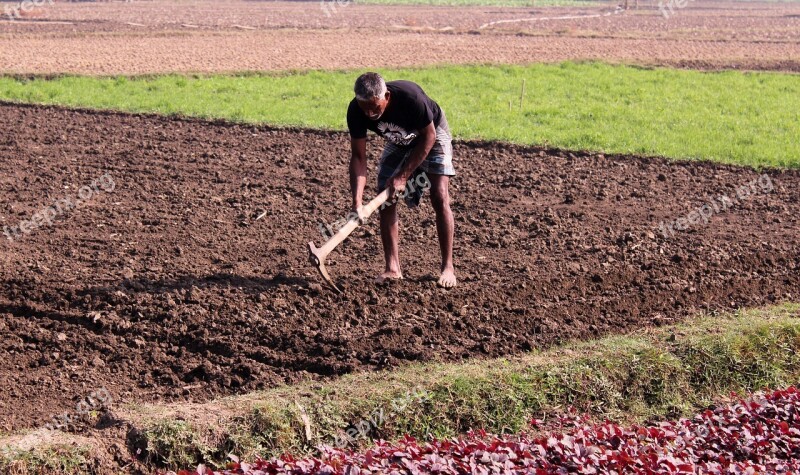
x=418, y=145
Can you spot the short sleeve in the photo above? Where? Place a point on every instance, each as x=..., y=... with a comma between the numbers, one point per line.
x=422, y=114
x=356, y=122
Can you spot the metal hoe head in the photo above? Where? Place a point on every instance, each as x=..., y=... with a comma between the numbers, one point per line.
x=313, y=256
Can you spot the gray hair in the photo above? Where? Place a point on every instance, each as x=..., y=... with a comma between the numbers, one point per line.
x=369, y=86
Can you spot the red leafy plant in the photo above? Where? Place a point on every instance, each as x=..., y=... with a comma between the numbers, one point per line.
x=760, y=435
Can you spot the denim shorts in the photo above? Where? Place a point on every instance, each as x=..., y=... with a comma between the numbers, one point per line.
x=438, y=162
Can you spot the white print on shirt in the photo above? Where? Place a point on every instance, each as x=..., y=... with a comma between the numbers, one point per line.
x=396, y=134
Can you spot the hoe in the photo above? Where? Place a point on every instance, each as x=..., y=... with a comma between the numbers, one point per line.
x=317, y=255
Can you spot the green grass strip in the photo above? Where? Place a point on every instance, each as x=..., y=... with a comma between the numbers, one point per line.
x=54, y=459
x=649, y=374
x=733, y=117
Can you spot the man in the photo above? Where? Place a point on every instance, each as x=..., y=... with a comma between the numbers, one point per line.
x=418, y=143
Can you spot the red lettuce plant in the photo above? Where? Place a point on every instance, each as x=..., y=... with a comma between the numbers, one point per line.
x=756, y=436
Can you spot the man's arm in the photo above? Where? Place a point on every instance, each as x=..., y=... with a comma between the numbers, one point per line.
x=427, y=137
x=358, y=170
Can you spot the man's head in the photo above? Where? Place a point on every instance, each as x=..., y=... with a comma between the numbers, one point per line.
x=372, y=95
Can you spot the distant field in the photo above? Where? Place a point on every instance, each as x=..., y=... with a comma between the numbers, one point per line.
x=494, y=3
x=230, y=36
x=526, y=3
x=732, y=117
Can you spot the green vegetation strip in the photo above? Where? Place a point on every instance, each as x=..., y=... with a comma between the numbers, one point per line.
x=41, y=452
x=649, y=374
x=733, y=117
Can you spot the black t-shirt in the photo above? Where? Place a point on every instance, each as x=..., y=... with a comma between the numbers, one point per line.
x=409, y=110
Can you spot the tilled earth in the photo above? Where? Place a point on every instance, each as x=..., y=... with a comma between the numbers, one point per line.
x=170, y=288
x=209, y=36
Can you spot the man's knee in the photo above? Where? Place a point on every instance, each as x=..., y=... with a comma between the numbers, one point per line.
x=440, y=192
x=388, y=212
x=440, y=199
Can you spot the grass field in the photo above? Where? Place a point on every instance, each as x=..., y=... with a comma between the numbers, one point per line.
x=732, y=117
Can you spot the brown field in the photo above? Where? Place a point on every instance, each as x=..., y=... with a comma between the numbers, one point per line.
x=168, y=288
x=204, y=36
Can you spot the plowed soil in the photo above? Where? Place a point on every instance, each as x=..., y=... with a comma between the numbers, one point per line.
x=170, y=288
x=232, y=35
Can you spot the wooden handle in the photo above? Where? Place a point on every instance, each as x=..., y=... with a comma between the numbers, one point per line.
x=351, y=225
x=376, y=202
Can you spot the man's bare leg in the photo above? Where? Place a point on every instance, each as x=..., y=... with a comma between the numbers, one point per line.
x=390, y=236
x=445, y=227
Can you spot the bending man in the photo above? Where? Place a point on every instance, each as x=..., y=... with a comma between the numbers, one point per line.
x=418, y=150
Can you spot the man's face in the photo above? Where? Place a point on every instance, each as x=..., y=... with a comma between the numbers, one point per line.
x=375, y=107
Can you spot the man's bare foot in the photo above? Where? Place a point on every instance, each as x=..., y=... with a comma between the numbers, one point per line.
x=388, y=275
x=448, y=279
